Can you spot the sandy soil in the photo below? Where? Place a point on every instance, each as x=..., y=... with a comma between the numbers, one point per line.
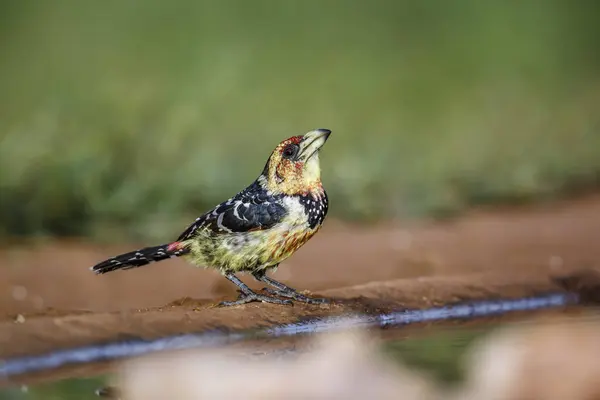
x=49, y=299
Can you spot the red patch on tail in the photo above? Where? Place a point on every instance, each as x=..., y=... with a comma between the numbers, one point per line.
x=174, y=247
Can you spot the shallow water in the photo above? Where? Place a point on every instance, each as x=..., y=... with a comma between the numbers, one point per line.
x=67, y=389
x=432, y=340
x=123, y=349
x=431, y=349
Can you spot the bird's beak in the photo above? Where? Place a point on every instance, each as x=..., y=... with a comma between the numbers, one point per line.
x=312, y=142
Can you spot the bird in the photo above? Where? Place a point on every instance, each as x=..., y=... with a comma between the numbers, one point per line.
x=255, y=230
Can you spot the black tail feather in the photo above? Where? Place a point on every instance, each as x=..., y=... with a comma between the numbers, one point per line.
x=138, y=258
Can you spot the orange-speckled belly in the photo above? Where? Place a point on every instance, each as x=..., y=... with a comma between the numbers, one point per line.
x=292, y=241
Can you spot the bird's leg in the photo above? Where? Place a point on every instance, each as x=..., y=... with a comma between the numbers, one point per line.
x=248, y=295
x=284, y=290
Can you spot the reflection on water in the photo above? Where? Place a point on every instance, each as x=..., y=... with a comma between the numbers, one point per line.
x=67, y=389
x=439, y=353
x=432, y=349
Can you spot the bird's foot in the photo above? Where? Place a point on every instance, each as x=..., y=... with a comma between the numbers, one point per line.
x=292, y=294
x=250, y=297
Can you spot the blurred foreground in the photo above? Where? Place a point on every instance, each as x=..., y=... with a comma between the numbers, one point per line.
x=552, y=359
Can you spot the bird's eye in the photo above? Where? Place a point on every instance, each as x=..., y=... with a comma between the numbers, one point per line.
x=290, y=151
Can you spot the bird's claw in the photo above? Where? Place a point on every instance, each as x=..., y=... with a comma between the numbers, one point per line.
x=250, y=297
x=291, y=294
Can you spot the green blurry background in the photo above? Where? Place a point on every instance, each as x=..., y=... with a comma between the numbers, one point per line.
x=124, y=119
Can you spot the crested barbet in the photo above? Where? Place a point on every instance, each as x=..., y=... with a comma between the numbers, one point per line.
x=256, y=229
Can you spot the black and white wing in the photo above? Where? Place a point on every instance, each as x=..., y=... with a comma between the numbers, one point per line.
x=251, y=209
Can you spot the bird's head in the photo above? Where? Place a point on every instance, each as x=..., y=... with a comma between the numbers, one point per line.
x=293, y=167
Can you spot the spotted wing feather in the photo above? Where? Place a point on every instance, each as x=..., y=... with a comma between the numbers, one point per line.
x=251, y=209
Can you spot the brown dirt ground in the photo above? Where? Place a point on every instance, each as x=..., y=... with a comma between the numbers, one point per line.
x=486, y=253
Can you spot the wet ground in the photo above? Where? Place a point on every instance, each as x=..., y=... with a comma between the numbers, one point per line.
x=50, y=300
